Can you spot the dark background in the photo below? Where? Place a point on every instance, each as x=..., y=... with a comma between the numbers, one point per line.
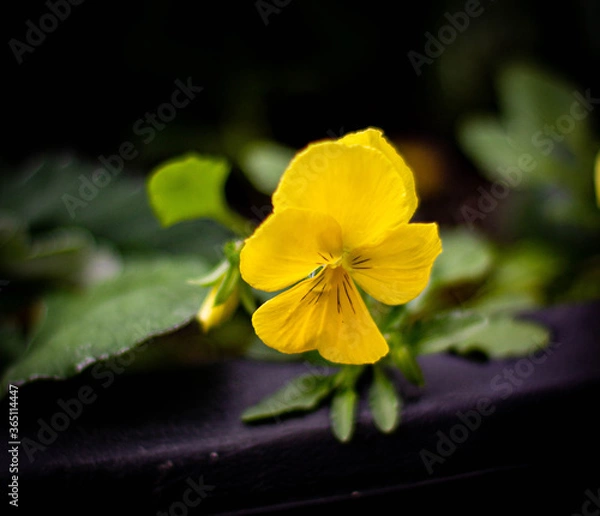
x=316, y=67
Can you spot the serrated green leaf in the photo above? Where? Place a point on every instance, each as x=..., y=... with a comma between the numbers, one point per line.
x=384, y=402
x=264, y=162
x=191, y=187
x=342, y=414
x=149, y=297
x=303, y=393
x=505, y=337
x=444, y=331
x=466, y=257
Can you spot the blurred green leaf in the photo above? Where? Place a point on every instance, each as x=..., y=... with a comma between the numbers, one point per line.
x=526, y=266
x=445, y=331
x=384, y=402
x=343, y=413
x=58, y=254
x=532, y=99
x=466, y=257
x=541, y=138
x=264, y=162
x=303, y=393
x=191, y=187
x=150, y=297
x=119, y=212
x=505, y=337
x=504, y=302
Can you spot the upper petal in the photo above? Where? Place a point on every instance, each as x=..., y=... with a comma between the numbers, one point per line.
x=325, y=313
x=396, y=269
x=287, y=247
x=374, y=138
x=357, y=185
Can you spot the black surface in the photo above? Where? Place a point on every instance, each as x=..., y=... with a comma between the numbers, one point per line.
x=133, y=449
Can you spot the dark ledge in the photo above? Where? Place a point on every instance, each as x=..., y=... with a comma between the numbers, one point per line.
x=146, y=439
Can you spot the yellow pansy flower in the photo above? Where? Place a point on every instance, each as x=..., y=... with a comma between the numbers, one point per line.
x=340, y=218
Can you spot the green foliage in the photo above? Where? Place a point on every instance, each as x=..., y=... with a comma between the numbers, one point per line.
x=443, y=331
x=343, y=413
x=384, y=402
x=505, y=337
x=543, y=145
x=148, y=298
x=191, y=187
x=304, y=393
x=467, y=256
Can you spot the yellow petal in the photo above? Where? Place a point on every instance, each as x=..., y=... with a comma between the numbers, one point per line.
x=397, y=269
x=374, y=138
x=325, y=313
x=356, y=185
x=287, y=247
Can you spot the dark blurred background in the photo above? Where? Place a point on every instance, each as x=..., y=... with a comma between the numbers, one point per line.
x=315, y=67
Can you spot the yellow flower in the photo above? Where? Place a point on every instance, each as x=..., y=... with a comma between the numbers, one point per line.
x=340, y=218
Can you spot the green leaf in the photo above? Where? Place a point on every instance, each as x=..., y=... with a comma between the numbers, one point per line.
x=505, y=337
x=503, y=302
x=342, y=414
x=445, y=331
x=58, y=254
x=191, y=187
x=264, y=162
x=489, y=145
x=304, y=393
x=532, y=99
x=384, y=402
x=466, y=256
x=526, y=267
x=150, y=297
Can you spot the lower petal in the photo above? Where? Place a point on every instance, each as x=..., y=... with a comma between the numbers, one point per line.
x=397, y=269
x=325, y=313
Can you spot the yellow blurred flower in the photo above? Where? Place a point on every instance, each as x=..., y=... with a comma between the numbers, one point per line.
x=341, y=219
